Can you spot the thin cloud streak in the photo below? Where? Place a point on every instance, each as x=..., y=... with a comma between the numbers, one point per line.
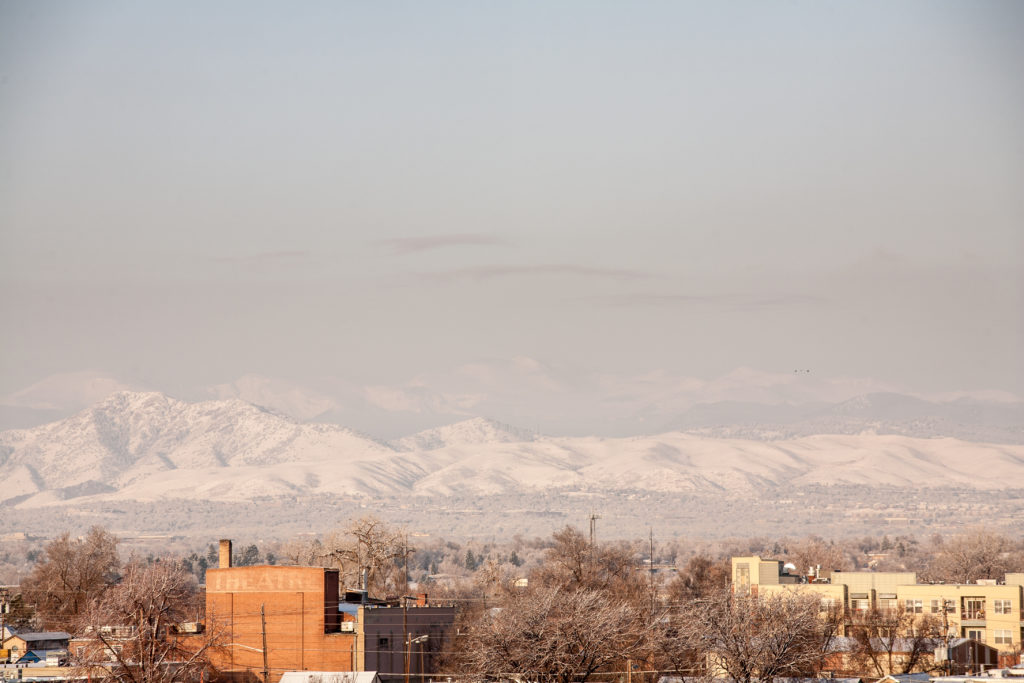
x=733, y=301
x=400, y=246
x=783, y=301
x=267, y=257
x=492, y=272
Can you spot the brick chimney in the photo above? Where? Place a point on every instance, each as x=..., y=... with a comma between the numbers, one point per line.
x=225, y=553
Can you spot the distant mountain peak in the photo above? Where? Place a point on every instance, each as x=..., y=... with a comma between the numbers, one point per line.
x=476, y=430
x=127, y=398
x=130, y=438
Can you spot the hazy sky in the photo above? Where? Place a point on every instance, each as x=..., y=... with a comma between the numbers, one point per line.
x=487, y=203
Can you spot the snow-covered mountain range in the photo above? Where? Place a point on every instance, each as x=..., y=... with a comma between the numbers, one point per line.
x=147, y=446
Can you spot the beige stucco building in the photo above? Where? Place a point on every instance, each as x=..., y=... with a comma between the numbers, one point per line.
x=988, y=611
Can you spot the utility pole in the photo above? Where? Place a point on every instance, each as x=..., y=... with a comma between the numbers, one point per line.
x=593, y=528
x=4, y=607
x=653, y=596
x=405, y=557
x=263, y=630
x=945, y=630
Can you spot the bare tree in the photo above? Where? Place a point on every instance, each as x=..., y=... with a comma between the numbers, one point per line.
x=750, y=637
x=893, y=641
x=556, y=635
x=702, y=576
x=134, y=635
x=303, y=553
x=676, y=647
x=977, y=554
x=73, y=573
x=573, y=563
x=813, y=551
x=375, y=546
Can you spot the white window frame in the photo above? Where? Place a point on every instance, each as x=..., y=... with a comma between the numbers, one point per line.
x=973, y=607
x=979, y=634
x=1002, y=636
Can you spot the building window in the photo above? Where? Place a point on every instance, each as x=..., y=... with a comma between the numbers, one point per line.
x=861, y=605
x=1002, y=636
x=915, y=606
x=975, y=634
x=383, y=644
x=827, y=604
x=80, y=652
x=974, y=608
x=936, y=606
x=742, y=580
x=1003, y=606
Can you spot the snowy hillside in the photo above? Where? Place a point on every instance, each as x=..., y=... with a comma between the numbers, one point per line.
x=148, y=437
x=478, y=430
x=147, y=446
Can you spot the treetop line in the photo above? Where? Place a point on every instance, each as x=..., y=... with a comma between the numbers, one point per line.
x=571, y=608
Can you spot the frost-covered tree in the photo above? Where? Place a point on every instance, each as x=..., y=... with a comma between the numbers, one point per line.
x=374, y=546
x=976, y=554
x=747, y=638
x=72, y=573
x=556, y=635
x=132, y=632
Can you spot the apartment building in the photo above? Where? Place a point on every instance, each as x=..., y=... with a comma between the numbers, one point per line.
x=988, y=611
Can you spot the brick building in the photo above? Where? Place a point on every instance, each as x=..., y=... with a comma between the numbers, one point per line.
x=298, y=613
x=294, y=610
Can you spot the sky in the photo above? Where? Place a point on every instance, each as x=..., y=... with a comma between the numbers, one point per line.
x=564, y=214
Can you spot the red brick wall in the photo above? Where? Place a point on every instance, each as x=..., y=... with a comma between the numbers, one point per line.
x=299, y=605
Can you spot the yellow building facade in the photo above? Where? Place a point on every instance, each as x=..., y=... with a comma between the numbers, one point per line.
x=987, y=612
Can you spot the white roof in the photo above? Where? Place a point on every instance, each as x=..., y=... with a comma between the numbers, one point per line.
x=330, y=677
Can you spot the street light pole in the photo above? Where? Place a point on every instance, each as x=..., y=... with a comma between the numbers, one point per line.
x=263, y=630
x=408, y=652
